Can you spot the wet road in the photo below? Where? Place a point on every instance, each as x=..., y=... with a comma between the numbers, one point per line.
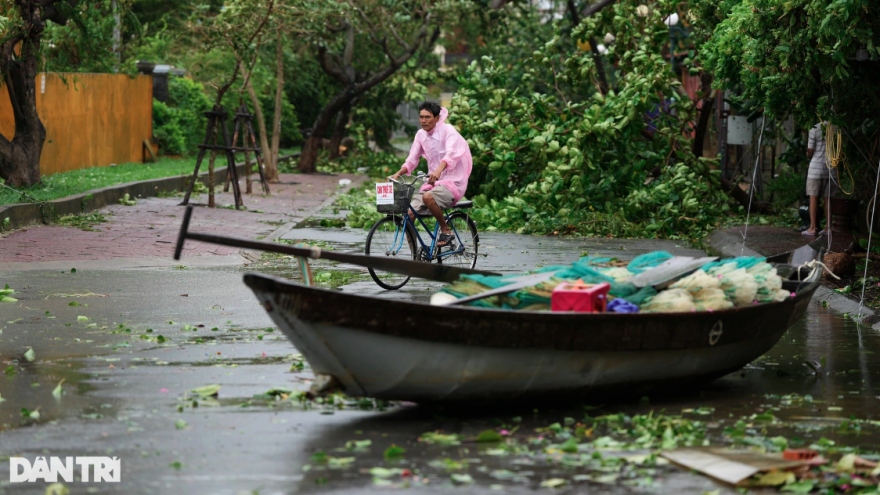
x=130, y=345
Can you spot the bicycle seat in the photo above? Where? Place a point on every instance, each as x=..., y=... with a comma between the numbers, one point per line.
x=464, y=204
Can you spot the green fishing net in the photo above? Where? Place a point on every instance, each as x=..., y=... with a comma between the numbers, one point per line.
x=718, y=285
x=589, y=269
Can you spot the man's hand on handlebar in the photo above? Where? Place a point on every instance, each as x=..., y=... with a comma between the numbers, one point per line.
x=434, y=177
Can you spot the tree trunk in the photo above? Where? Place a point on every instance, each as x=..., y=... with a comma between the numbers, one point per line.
x=264, y=139
x=309, y=157
x=705, y=114
x=20, y=157
x=742, y=197
x=339, y=130
x=279, y=96
x=20, y=161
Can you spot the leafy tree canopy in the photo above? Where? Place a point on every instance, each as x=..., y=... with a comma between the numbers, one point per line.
x=812, y=59
x=553, y=154
x=799, y=57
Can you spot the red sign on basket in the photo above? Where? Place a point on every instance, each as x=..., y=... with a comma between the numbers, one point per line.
x=384, y=193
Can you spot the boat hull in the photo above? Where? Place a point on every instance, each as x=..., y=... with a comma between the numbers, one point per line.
x=396, y=350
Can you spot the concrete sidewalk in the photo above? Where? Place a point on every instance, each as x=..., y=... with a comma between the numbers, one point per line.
x=145, y=234
x=767, y=240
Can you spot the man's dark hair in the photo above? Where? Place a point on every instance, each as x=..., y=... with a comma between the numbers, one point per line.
x=431, y=106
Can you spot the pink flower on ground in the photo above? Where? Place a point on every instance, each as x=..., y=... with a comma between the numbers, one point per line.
x=163, y=390
x=504, y=433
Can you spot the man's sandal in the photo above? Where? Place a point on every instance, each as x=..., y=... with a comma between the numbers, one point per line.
x=445, y=240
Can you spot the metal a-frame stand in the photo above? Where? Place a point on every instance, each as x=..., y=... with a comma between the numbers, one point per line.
x=244, y=124
x=216, y=119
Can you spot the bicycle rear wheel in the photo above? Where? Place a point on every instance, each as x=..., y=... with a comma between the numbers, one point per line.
x=464, y=253
x=381, y=241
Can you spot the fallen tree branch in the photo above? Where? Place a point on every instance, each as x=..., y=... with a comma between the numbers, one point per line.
x=742, y=197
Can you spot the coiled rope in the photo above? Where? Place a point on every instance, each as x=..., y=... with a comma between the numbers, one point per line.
x=834, y=155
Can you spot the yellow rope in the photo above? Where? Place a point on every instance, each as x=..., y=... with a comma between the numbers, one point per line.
x=832, y=146
x=834, y=154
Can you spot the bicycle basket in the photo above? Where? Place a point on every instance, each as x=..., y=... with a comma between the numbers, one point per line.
x=402, y=197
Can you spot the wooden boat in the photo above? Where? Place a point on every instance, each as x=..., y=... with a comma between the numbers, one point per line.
x=392, y=349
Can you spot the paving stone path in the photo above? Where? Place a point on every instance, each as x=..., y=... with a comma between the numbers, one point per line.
x=150, y=228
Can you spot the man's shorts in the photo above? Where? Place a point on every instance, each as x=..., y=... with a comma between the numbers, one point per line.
x=819, y=187
x=442, y=197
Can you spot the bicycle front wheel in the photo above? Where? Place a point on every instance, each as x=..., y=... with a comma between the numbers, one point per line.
x=464, y=253
x=387, y=238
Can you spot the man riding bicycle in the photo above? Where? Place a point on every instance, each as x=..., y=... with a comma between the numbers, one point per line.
x=449, y=166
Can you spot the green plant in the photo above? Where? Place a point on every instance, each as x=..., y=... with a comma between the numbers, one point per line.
x=805, y=59
x=375, y=164
x=179, y=125
x=552, y=154
x=84, y=222
x=290, y=133
x=787, y=189
x=65, y=184
x=361, y=205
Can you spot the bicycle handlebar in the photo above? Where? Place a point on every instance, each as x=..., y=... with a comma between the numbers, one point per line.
x=420, y=175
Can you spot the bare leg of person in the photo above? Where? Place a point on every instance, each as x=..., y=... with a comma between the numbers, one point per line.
x=435, y=210
x=814, y=205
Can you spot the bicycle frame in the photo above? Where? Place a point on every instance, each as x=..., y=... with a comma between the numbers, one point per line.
x=399, y=235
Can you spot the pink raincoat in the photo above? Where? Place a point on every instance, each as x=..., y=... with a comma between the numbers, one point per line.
x=442, y=144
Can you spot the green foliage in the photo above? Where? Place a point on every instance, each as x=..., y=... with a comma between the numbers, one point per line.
x=65, y=184
x=376, y=117
x=86, y=221
x=85, y=43
x=375, y=164
x=655, y=430
x=307, y=88
x=788, y=55
x=798, y=57
x=787, y=189
x=290, y=126
x=172, y=13
x=552, y=154
x=180, y=125
x=361, y=203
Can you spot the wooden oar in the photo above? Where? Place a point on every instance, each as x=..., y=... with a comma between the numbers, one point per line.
x=429, y=271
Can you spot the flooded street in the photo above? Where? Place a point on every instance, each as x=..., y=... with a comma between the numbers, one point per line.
x=128, y=347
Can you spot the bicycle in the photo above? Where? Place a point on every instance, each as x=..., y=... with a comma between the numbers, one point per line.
x=397, y=235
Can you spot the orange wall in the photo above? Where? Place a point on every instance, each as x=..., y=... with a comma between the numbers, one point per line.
x=91, y=120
